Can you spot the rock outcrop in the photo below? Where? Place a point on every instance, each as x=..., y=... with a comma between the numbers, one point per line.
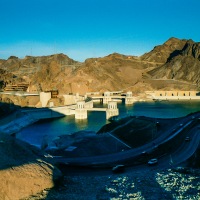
x=184, y=65
x=162, y=53
x=23, y=170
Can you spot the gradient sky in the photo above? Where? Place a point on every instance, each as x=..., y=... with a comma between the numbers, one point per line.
x=94, y=28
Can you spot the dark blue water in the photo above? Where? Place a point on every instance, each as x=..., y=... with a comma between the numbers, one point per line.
x=53, y=128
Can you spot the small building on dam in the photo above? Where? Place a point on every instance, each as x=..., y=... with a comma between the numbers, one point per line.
x=174, y=95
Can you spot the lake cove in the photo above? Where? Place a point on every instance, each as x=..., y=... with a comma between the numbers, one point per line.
x=50, y=129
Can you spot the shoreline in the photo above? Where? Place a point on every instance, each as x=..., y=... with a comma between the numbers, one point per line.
x=19, y=119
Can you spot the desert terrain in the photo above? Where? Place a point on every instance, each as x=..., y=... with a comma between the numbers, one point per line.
x=173, y=65
x=31, y=173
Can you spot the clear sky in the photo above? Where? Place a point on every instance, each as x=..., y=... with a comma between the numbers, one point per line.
x=94, y=28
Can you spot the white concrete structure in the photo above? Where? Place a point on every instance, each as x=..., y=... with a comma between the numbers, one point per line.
x=173, y=95
x=89, y=104
x=20, y=93
x=81, y=111
x=114, y=96
x=77, y=95
x=112, y=109
x=107, y=97
x=44, y=98
x=92, y=93
x=63, y=110
x=70, y=99
x=129, y=98
x=51, y=104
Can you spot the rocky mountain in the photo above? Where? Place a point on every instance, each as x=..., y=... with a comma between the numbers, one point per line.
x=113, y=72
x=162, y=53
x=182, y=65
x=174, y=60
x=36, y=70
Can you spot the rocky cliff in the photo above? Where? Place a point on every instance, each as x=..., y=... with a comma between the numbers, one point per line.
x=182, y=65
x=162, y=53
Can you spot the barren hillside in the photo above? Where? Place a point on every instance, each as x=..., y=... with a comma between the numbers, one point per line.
x=175, y=60
x=162, y=53
x=184, y=65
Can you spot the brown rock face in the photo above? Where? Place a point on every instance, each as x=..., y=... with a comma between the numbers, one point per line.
x=113, y=72
x=191, y=49
x=175, y=59
x=163, y=52
x=184, y=65
x=23, y=172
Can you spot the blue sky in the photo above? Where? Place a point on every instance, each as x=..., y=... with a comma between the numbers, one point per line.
x=94, y=28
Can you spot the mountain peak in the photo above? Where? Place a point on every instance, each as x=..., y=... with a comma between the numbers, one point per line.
x=161, y=53
x=172, y=40
x=13, y=57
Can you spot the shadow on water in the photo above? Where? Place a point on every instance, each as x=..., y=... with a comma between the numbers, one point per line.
x=57, y=127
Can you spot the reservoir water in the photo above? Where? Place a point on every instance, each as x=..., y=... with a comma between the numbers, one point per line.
x=52, y=128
